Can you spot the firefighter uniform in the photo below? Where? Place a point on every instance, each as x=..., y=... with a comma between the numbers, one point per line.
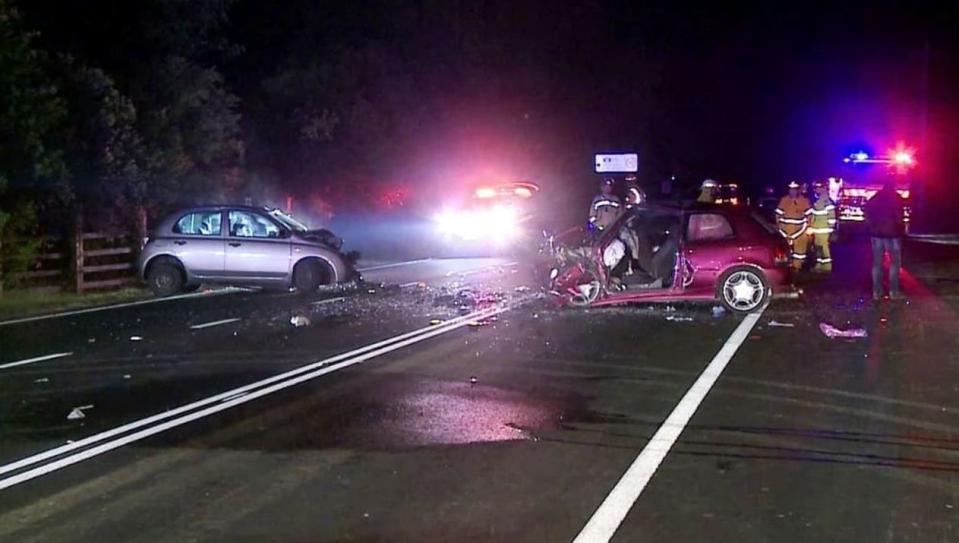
x=822, y=223
x=707, y=194
x=792, y=216
x=604, y=210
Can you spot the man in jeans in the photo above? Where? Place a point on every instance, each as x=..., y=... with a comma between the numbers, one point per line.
x=884, y=214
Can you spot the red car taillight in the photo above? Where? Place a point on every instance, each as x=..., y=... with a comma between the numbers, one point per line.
x=781, y=255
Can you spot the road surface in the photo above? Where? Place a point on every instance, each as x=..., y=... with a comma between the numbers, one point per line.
x=450, y=403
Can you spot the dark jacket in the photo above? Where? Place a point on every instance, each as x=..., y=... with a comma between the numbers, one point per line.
x=884, y=213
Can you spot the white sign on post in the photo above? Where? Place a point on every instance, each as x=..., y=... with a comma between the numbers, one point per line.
x=617, y=163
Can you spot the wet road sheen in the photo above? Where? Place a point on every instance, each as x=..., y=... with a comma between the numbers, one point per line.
x=506, y=427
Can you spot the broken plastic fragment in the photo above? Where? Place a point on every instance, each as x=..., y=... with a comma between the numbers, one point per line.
x=136, y=338
x=77, y=412
x=782, y=324
x=832, y=332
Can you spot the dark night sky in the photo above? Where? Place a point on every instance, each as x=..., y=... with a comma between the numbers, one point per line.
x=755, y=94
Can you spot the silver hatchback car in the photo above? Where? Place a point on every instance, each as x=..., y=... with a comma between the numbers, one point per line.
x=241, y=245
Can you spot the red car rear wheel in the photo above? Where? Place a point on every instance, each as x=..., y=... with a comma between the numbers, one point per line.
x=743, y=289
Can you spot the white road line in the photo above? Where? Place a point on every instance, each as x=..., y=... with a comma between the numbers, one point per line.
x=241, y=395
x=329, y=300
x=211, y=324
x=410, y=284
x=394, y=265
x=218, y=292
x=937, y=241
x=32, y=360
x=610, y=514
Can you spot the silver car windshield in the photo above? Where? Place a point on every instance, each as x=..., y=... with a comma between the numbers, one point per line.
x=288, y=221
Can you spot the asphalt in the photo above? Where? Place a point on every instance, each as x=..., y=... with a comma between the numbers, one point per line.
x=514, y=427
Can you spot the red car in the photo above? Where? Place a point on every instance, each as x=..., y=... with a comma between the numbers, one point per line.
x=699, y=253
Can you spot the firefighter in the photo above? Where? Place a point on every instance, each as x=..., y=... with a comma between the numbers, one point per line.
x=822, y=223
x=605, y=207
x=634, y=194
x=792, y=216
x=707, y=193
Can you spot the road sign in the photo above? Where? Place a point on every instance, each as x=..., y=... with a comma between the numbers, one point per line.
x=617, y=163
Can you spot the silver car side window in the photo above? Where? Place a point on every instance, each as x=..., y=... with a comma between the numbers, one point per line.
x=251, y=225
x=199, y=223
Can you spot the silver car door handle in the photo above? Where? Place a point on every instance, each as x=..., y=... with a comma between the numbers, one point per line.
x=180, y=242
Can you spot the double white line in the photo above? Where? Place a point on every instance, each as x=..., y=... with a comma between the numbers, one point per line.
x=58, y=458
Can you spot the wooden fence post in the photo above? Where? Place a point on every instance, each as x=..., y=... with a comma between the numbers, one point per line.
x=78, y=250
x=141, y=227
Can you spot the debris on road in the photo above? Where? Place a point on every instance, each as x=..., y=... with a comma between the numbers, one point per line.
x=77, y=413
x=42, y=380
x=781, y=324
x=473, y=380
x=832, y=332
x=136, y=338
x=435, y=322
x=678, y=318
x=299, y=320
x=719, y=311
x=521, y=289
x=92, y=340
x=477, y=324
x=126, y=376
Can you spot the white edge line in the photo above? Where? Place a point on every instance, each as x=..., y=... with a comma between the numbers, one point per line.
x=329, y=300
x=610, y=514
x=937, y=241
x=213, y=323
x=394, y=265
x=39, y=457
x=32, y=360
x=229, y=290
x=108, y=446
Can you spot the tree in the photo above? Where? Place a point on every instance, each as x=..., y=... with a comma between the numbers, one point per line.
x=31, y=109
x=103, y=152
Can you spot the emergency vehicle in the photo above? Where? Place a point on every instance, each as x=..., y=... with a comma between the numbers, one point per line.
x=864, y=177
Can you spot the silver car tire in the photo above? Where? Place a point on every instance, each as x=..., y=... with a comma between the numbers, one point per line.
x=307, y=277
x=165, y=279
